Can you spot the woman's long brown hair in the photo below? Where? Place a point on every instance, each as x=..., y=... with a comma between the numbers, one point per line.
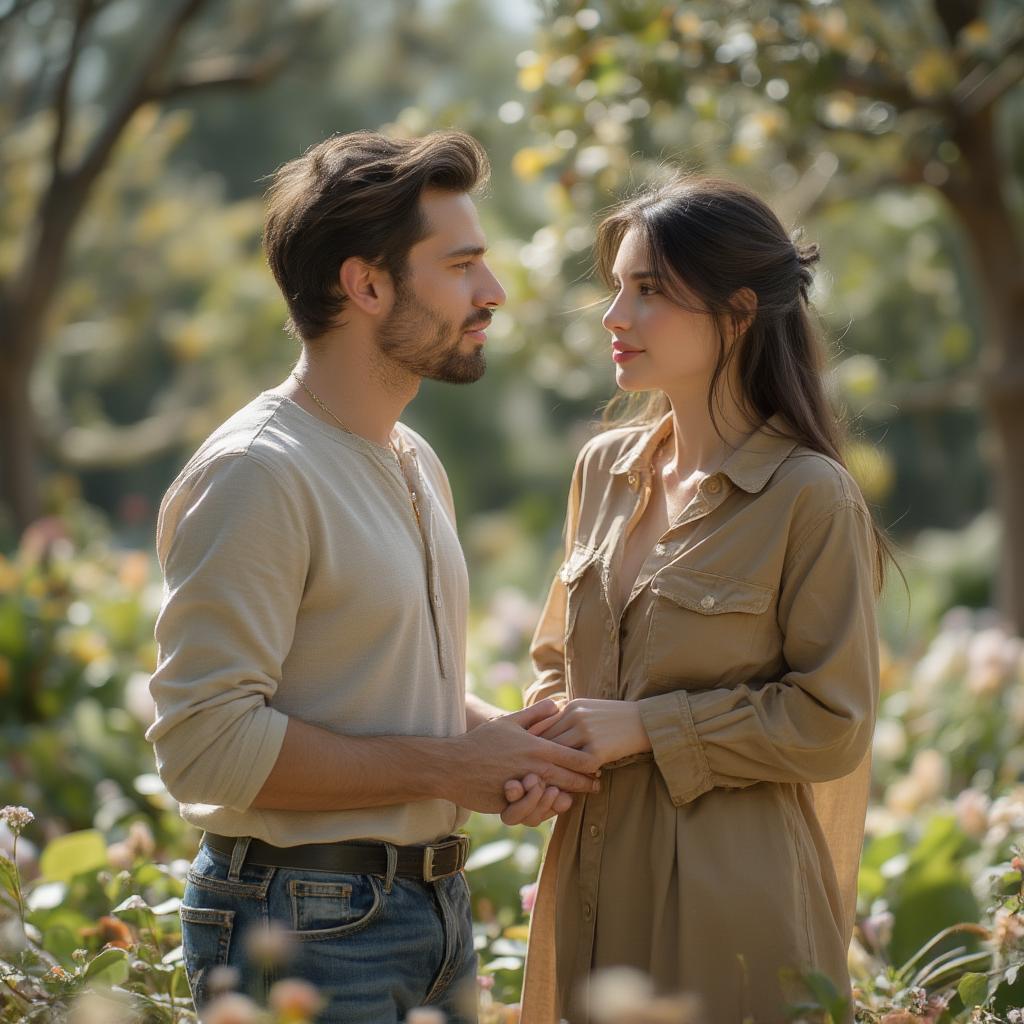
x=706, y=240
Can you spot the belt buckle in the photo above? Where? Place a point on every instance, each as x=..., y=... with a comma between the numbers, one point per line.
x=460, y=842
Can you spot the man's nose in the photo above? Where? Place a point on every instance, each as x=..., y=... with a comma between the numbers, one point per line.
x=491, y=293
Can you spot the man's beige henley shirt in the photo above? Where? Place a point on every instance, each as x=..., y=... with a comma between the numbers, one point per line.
x=297, y=582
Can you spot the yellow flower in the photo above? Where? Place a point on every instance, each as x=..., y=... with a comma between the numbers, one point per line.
x=932, y=75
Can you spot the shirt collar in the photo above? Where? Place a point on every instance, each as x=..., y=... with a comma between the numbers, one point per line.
x=749, y=467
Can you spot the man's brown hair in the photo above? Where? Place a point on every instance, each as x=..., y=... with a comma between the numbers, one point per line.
x=356, y=195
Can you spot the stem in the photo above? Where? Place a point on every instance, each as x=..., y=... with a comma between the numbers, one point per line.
x=17, y=881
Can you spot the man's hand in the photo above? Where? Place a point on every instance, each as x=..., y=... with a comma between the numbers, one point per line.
x=607, y=729
x=487, y=756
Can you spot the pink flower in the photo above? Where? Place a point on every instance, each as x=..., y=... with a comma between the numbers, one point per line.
x=528, y=896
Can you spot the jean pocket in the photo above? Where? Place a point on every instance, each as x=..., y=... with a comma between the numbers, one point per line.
x=327, y=909
x=319, y=904
x=206, y=942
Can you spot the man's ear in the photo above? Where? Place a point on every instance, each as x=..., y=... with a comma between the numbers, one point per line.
x=368, y=288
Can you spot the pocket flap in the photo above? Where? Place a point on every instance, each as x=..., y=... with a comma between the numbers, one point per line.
x=576, y=564
x=709, y=593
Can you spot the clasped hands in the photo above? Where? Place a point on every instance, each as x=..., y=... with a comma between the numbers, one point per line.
x=605, y=729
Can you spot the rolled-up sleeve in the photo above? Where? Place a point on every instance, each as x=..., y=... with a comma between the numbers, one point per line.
x=234, y=552
x=816, y=721
x=547, y=650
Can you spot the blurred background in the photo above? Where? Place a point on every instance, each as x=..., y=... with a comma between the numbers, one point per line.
x=136, y=314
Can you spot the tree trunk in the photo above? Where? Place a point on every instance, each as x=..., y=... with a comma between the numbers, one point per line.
x=19, y=476
x=980, y=204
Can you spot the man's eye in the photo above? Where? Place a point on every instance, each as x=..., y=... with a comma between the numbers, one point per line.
x=464, y=266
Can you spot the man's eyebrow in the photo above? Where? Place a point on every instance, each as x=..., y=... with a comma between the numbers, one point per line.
x=466, y=250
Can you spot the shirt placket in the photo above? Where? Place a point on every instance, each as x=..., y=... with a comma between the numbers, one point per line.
x=412, y=481
x=595, y=807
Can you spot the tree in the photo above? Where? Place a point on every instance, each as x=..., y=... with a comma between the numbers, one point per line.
x=829, y=102
x=53, y=42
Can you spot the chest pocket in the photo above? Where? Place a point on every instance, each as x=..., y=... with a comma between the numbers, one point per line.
x=705, y=630
x=580, y=573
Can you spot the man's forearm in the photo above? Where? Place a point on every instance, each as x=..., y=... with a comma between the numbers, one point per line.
x=318, y=770
x=479, y=711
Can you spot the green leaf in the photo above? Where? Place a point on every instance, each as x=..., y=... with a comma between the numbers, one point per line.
x=973, y=989
x=491, y=853
x=73, y=854
x=9, y=877
x=110, y=967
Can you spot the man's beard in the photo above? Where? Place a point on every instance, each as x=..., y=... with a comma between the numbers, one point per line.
x=419, y=340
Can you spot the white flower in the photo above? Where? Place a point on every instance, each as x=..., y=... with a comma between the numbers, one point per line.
x=231, y=1009
x=992, y=656
x=945, y=660
x=890, y=742
x=931, y=771
x=972, y=807
x=617, y=992
x=16, y=818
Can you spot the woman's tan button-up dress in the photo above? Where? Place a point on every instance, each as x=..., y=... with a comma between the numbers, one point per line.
x=749, y=640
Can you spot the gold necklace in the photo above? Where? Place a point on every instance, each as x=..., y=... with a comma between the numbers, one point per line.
x=412, y=493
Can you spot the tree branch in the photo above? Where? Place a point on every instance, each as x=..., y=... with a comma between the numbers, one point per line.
x=136, y=93
x=111, y=446
x=924, y=396
x=985, y=84
x=220, y=72
x=62, y=93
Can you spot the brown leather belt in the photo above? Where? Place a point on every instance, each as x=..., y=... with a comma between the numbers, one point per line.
x=427, y=863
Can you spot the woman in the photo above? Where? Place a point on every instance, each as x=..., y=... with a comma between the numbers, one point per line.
x=711, y=633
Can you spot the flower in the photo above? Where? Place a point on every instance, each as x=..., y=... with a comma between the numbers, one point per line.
x=296, y=1000
x=425, y=1015
x=528, y=897
x=111, y=931
x=972, y=806
x=877, y=930
x=992, y=655
x=16, y=818
x=231, y=1009
x=269, y=944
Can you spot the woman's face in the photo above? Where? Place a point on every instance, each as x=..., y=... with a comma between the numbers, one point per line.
x=655, y=342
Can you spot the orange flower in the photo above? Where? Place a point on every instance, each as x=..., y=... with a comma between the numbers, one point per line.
x=111, y=931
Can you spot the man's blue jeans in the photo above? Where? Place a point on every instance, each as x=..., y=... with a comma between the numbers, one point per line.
x=373, y=954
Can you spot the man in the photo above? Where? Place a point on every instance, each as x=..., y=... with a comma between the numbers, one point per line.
x=311, y=707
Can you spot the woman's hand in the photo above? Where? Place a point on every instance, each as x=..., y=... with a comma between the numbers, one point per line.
x=608, y=729
x=530, y=802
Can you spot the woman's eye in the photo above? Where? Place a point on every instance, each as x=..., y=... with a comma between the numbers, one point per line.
x=646, y=289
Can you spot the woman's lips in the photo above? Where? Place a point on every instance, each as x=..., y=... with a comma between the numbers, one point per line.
x=622, y=354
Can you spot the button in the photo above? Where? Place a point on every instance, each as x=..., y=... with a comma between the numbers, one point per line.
x=660, y=549
x=631, y=479
x=713, y=486
x=595, y=831
x=588, y=910
x=707, y=601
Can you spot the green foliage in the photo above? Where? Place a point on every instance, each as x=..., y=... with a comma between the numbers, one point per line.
x=940, y=888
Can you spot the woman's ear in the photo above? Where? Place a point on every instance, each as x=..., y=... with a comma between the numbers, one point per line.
x=744, y=304
x=366, y=287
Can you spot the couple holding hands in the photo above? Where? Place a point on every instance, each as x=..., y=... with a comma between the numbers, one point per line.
x=705, y=667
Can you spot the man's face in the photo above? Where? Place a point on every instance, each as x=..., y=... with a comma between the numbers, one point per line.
x=443, y=305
